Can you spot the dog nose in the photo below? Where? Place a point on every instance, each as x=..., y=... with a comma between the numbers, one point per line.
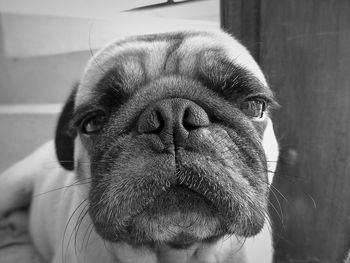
x=172, y=120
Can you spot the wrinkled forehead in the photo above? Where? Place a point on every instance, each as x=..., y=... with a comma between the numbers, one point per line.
x=136, y=59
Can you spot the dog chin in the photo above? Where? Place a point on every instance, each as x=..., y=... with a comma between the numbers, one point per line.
x=169, y=232
x=179, y=217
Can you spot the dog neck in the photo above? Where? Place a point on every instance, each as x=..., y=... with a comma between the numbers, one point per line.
x=228, y=249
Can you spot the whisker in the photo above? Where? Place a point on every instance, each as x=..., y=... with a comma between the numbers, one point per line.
x=80, y=219
x=76, y=183
x=66, y=228
x=280, y=216
x=279, y=192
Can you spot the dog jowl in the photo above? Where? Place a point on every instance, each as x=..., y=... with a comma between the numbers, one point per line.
x=176, y=130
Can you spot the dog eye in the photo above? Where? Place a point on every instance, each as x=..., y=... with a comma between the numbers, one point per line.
x=93, y=124
x=254, y=107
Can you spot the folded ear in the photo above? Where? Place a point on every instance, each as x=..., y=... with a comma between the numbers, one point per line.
x=64, y=138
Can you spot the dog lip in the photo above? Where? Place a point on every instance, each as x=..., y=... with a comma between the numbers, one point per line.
x=184, y=188
x=186, y=241
x=182, y=241
x=179, y=198
x=180, y=245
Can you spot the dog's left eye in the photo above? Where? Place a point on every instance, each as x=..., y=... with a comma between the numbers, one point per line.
x=93, y=124
x=254, y=107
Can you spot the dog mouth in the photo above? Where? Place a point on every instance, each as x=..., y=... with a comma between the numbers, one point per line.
x=179, y=216
x=195, y=196
x=178, y=197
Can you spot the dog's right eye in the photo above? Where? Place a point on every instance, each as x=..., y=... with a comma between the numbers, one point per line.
x=254, y=107
x=93, y=124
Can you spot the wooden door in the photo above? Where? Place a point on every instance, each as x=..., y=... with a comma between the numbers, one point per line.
x=304, y=49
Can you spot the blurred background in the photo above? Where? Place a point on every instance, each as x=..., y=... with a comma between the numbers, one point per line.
x=302, y=46
x=44, y=46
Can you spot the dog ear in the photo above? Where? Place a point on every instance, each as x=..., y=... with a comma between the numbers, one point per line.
x=64, y=137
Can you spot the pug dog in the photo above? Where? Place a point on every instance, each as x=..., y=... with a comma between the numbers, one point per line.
x=164, y=152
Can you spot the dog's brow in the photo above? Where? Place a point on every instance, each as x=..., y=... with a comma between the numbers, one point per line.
x=247, y=85
x=81, y=111
x=232, y=82
x=243, y=82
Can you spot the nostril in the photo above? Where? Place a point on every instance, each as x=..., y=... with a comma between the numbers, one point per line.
x=194, y=118
x=188, y=121
x=151, y=123
x=160, y=123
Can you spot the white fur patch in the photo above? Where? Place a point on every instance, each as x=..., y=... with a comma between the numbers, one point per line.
x=271, y=149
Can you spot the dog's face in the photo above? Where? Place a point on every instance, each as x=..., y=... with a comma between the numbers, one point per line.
x=174, y=132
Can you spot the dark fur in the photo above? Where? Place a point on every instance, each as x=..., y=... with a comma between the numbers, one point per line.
x=64, y=137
